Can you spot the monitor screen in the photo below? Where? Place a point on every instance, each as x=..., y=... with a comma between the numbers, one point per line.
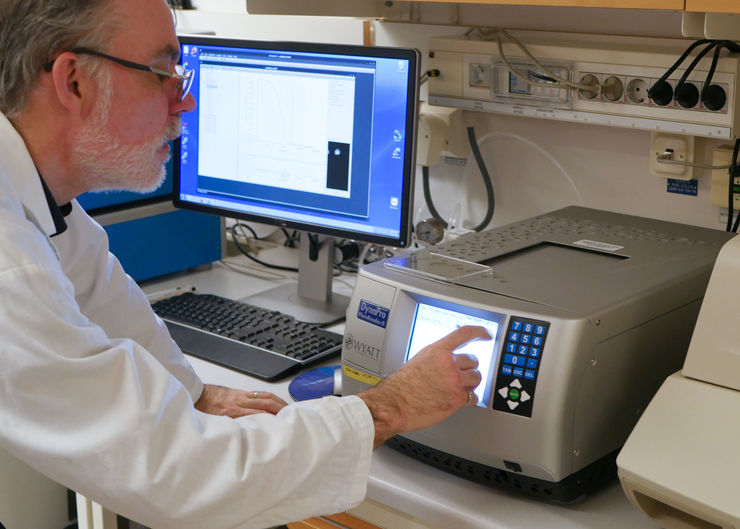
x=314, y=137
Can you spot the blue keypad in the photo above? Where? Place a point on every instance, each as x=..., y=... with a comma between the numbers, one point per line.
x=521, y=362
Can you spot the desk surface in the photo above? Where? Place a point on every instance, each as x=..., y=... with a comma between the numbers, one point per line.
x=412, y=487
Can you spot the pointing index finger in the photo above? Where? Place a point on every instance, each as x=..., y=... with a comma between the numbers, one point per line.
x=462, y=335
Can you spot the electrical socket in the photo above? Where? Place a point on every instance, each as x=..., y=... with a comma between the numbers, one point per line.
x=722, y=155
x=682, y=148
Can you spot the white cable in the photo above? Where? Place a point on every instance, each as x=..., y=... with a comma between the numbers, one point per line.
x=667, y=160
x=565, y=84
x=455, y=221
x=526, y=52
x=539, y=149
x=350, y=286
x=255, y=270
x=363, y=255
x=164, y=294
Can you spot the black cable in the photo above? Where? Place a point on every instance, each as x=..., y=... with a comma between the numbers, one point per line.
x=731, y=198
x=710, y=73
x=314, y=246
x=242, y=225
x=290, y=239
x=338, y=271
x=732, y=47
x=428, y=195
x=714, y=44
x=490, y=196
x=429, y=73
x=248, y=255
x=731, y=187
x=181, y=4
x=677, y=64
x=718, y=46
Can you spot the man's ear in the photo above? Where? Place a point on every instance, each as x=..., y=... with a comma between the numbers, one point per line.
x=73, y=85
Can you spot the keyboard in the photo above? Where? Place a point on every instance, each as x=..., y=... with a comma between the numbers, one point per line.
x=265, y=344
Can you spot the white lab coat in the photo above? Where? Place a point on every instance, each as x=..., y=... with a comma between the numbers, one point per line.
x=95, y=394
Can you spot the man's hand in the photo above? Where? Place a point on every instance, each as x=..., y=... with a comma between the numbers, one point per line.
x=429, y=388
x=220, y=400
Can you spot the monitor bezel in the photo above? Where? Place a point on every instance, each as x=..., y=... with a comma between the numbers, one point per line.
x=409, y=166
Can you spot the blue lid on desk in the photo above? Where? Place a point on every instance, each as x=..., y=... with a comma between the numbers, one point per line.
x=315, y=384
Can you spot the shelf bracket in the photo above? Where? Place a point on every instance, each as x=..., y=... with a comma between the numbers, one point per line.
x=710, y=25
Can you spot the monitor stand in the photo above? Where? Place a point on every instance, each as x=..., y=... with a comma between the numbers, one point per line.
x=312, y=299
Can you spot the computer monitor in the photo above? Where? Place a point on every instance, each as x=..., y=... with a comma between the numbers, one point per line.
x=314, y=137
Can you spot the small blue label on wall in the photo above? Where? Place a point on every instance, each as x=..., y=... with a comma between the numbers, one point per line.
x=372, y=313
x=683, y=187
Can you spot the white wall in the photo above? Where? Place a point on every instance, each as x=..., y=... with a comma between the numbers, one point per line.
x=607, y=166
x=227, y=23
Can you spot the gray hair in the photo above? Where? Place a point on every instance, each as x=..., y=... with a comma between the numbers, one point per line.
x=34, y=32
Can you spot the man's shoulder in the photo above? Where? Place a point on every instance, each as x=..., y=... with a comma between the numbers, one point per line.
x=22, y=243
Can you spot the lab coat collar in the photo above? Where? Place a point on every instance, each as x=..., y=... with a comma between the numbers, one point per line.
x=57, y=212
x=21, y=185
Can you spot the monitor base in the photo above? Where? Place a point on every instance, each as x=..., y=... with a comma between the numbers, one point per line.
x=285, y=299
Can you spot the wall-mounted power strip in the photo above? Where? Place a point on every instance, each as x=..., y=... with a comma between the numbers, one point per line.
x=473, y=76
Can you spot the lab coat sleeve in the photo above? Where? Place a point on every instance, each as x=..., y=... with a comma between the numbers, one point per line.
x=104, y=417
x=111, y=299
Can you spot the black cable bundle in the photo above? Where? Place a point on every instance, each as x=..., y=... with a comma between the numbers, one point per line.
x=731, y=191
x=235, y=240
x=709, y=92
x=491, y=197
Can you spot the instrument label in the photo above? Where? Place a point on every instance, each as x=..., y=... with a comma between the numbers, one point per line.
x=598, y=245
x=372, y=313
x=366, y=378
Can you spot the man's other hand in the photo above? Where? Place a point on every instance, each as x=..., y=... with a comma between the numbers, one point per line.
x=220, y=400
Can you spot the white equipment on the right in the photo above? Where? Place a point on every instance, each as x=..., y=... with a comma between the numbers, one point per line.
x=681, y=463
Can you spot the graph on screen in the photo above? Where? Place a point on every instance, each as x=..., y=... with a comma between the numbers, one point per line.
x=294, y=131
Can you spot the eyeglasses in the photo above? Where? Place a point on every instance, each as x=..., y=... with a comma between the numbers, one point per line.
x=182, y=74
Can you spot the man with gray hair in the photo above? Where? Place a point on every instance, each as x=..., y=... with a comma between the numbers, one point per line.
x=94, y=393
